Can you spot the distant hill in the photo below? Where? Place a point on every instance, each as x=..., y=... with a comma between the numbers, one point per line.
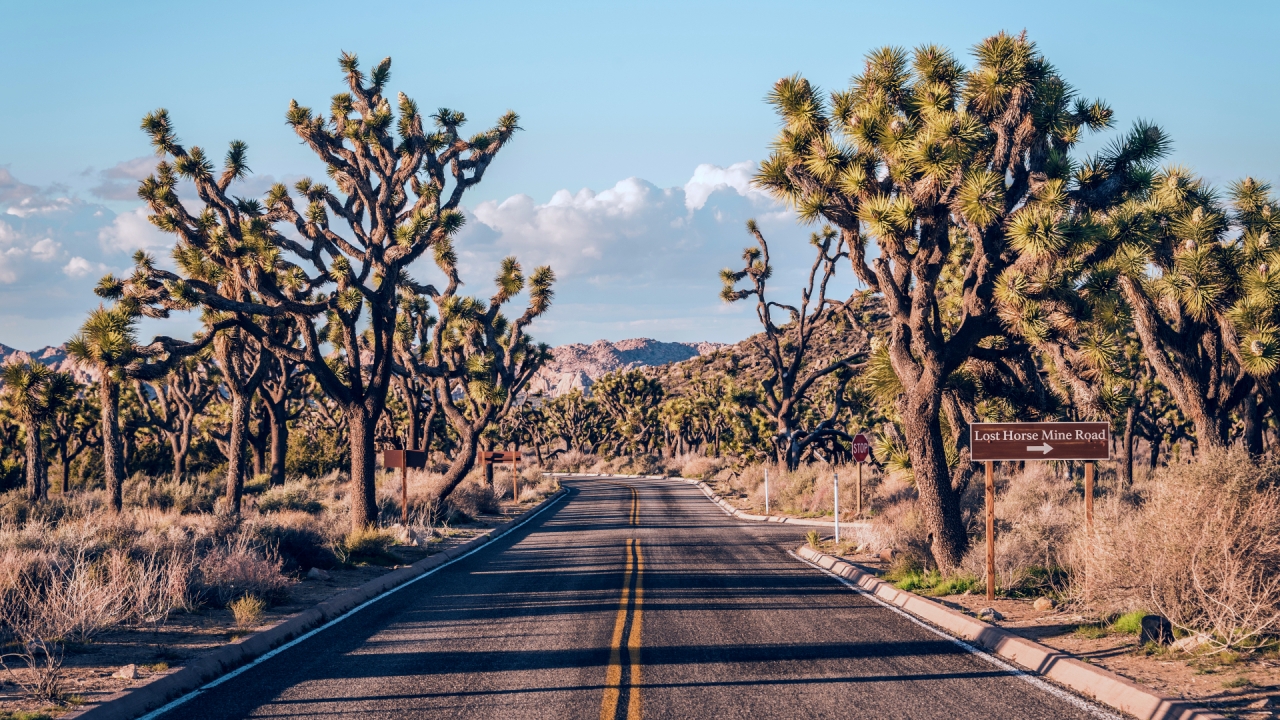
x=578, y=366
x=54, y=357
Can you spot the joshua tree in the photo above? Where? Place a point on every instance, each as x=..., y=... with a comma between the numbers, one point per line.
x=477, y=351
x=1201, y=283
x=107, y=344
x=33, y=393
x=631, y=399
x=942, y=167
x=72, y=430
x=243, y=363
x=398, y=194
x=792, y=368
x=178, y=401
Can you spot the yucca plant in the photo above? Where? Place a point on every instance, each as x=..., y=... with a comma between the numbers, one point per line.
x=955, y=173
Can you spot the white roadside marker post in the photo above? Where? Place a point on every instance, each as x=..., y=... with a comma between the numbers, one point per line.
x=836, y=479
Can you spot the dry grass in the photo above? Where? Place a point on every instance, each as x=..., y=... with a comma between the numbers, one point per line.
x=1198, y=543
x=248, y=611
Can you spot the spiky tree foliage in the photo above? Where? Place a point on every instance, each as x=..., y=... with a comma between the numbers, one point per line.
x=397, y=190
x=108, y=345
x=413, y=385
x=527, y=426
x=793, y=370
x=173, y=404
x=1198, y=276
x=576, y=420
x=33, y=393
x=73, y=428
x=939, y=165
x=631, y=400
x=477, y=361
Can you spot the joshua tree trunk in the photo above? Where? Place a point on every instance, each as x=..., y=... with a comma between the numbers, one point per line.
x=1252, y=435
x=363, y=500
x=64, y=473
x=112, y=452
x=279, y=418
x=180, y=451
x=1130, y=420
x=235, y=452
x=939, y=505
x=37, y=470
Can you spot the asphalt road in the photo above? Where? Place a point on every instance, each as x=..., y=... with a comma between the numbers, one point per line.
x=630, y=598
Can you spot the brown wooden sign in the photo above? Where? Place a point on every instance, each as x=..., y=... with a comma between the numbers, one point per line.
x=1040, y=441
x=499, y=456
x=404, y=458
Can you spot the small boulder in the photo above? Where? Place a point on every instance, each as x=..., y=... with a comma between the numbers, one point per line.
x=887, y=554
x=1157, y=630
x=1191, y=642
x=990, y=613
x=318, y=574
x=1262, y=704
x=128, y=672
x=1043, y=604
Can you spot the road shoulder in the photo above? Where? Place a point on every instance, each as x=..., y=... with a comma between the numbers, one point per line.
x=141, y=699
x=1064, y=669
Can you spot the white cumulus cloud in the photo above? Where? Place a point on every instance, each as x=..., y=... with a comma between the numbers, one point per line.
x=79, y=267
x=132, y=231
x=709, y=178
x=46, y=249
x=637, y=259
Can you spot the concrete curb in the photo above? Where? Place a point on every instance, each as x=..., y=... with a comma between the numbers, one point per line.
x=137, y=701
x=1093, y=682
x=729, y=508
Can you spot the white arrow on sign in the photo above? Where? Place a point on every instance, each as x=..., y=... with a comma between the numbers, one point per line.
x=1045, y=448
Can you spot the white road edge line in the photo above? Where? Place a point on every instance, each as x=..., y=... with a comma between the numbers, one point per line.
x=1035, y=680
x=263, y=658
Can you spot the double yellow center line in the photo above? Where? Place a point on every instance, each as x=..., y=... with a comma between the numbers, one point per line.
x=622, y=681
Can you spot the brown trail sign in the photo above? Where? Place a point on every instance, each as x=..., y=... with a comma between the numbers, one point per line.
x=989, y=442
x=492, y=457
x=404, y=459
x=1040, y=441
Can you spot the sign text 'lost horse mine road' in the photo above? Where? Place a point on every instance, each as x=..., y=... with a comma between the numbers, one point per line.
x=1040, y=441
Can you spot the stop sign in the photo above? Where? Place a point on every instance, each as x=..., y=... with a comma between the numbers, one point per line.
x=861, y=447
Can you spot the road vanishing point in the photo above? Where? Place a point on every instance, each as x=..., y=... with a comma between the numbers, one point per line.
x=631, y=598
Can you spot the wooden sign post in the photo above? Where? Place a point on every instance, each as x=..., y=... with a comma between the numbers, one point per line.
x=404, y=459
x=501, y=456
x=992, y=442
x=861, y=449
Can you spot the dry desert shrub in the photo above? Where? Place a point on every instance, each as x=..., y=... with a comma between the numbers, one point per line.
x=699, y=467
x=573, y=461
x=1038, y=513
x=292, y=496
x=1198, y=543
x=248, y=611
x=241, y=567
x=472, y=497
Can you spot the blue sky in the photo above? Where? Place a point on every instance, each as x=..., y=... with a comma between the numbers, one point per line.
x=640, y=124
